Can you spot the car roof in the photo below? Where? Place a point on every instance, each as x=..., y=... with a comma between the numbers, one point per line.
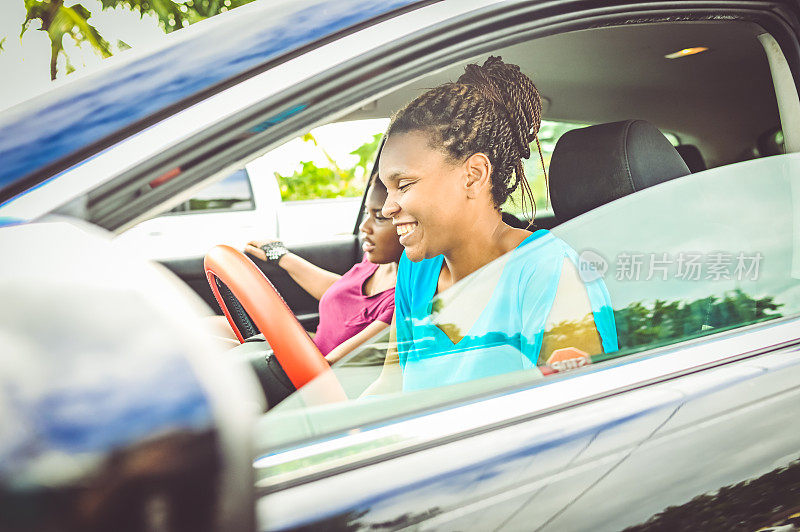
x=133, y=91
x=720, y=100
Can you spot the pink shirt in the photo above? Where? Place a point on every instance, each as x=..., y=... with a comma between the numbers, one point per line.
x=345, y=311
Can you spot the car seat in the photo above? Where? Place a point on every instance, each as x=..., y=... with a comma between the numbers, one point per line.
x=692, y=157
x=595, y=165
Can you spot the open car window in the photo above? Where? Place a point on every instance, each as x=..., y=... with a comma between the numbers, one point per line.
x=684, y=260
x=712, y=265
x=284, y=194
x=322, y=176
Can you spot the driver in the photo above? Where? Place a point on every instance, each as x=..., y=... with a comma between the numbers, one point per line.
x=355, y=306
x=476, y=297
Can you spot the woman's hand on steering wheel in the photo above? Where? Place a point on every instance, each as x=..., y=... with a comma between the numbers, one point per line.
x=254, y=248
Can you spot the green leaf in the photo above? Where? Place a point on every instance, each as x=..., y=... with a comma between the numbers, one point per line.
x=366, y=152
x=60, y=21
x=332, y=181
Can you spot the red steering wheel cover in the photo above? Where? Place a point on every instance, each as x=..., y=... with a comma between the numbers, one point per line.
x=298, y=355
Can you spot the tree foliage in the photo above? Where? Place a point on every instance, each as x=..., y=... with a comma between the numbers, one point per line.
x=769, y=500
x=330, y=181
x=60, y=21
x=642, y=326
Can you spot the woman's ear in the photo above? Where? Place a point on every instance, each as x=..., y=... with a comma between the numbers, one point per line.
x=479, y=175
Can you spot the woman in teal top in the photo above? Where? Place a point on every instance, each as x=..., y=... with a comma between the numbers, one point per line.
x=508, y=332
x=475, y=297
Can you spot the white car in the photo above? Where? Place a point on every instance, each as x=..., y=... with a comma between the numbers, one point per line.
x=117, y=410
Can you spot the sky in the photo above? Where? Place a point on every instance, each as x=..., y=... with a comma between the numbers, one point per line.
x=25, y=62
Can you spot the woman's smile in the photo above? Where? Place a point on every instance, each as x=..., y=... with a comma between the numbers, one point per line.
x=405, y=231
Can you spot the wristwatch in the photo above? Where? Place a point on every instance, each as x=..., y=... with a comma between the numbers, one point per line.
x=274, y=251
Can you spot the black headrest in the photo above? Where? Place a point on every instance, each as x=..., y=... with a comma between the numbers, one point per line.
x=692, y=157
x=594, y=165
x=513, y=221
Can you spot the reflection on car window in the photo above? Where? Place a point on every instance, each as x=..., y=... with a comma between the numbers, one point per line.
x=496, y=320
x=713, y=265
x=703, y=255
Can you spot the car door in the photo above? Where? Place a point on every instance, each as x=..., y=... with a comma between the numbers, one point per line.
x=600, y=463
x=691, y=415
x=644, y=438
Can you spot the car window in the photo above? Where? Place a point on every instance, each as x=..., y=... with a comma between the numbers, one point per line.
x=695, y=256
x=704, y=256
x=307, y=189
x=321, y=175
x=231, y=194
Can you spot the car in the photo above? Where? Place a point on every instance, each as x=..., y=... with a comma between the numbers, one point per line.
x=671, y=140
x=247, y=204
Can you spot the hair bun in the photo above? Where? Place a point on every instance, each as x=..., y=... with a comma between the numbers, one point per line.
x=506, y=85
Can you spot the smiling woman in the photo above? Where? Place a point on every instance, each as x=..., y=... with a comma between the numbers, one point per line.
x=451, y=159
x=358, y=305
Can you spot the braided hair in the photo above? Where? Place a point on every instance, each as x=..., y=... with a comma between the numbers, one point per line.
x=494, y=109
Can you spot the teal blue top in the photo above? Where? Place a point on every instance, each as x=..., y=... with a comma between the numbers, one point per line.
x=507, y=335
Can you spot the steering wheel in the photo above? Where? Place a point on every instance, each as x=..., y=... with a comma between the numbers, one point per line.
x=249, y=300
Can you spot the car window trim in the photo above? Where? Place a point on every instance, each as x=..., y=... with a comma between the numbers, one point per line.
x=416, y=432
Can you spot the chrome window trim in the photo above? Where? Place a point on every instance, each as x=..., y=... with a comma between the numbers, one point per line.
x=358, y=447
x=138, y=149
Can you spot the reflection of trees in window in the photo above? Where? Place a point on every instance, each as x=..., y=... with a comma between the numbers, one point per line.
x=354, y=520
x=639, y=326
x=666, y=322
x=767, y=500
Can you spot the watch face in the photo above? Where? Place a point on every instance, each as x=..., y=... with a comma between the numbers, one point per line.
x=274, y=250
